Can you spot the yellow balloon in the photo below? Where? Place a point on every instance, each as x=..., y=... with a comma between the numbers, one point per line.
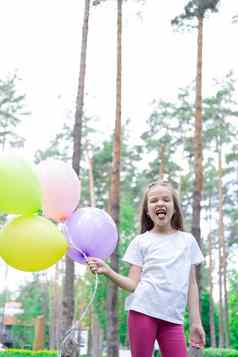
x=31, y=243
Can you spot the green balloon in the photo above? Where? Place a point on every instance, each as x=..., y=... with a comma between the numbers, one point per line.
x=20, y=190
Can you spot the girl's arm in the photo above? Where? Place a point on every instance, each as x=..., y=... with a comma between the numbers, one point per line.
x=193, y=298
x=129, y=283
x=197, y=335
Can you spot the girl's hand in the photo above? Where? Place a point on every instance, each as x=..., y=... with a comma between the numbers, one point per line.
x=197, y=336
x=98, y=266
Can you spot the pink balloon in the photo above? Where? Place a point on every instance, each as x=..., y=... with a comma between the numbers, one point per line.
x=60, y=189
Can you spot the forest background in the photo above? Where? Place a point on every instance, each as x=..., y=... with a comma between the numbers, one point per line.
x=158, y=84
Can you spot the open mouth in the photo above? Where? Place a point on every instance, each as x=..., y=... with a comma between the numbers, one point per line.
x=160, y=212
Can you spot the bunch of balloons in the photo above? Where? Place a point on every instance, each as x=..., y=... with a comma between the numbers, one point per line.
x=31, y=242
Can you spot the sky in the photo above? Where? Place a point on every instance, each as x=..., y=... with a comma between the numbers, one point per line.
x=40, y=39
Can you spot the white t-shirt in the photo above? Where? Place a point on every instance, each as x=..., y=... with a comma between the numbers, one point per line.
x=166, y=261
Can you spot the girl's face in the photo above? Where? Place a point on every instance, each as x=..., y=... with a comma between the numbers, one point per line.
x=160, y=206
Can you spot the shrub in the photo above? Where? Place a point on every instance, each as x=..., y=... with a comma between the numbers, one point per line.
x=219, y=352
x=27, y=353
x=214, y=352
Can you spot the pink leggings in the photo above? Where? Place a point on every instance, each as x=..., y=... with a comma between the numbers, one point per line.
x=144, y=330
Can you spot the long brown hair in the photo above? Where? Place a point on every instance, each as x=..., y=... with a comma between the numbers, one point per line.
x=146, y=224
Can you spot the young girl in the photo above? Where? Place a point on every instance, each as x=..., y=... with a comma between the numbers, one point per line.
x=161, y=278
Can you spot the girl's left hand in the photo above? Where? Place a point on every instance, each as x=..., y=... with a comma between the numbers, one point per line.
x=197, y=336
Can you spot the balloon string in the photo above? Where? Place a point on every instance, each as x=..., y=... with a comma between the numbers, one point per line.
x=73, y=329
x=65, y=230
x=69, y=333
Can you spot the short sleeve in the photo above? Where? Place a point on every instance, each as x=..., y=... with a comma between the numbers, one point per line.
x=133, y=254
x=196, y=254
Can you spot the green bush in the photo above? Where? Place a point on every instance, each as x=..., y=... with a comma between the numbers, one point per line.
x=208, y=352
x=213, y=352
x=27, y=353
x=219, y=352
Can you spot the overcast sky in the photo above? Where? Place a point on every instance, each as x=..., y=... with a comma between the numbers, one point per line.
x=41, y=40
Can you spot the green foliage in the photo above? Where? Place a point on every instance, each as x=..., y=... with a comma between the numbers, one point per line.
x=25, y=353
x=208, y=352
x=122, y=294
x=194, y=9
x=205, y=316
x=11, y=112
x=127, y=217
x=84, y=289
x=215, y=352
x=60, y=147
x=35, y=301
x=220, y=136
x=102, y=163
x=186, y=325
x=217, y=109
x=100, y=301
x=102, y=166
x=163, y=133
x=122, y=317
x=171, y=125
x=233, y=310
x=4, y=295
x=23, y=335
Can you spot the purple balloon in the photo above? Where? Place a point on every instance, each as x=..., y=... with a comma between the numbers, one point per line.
x=90, y=232
x=76, y=255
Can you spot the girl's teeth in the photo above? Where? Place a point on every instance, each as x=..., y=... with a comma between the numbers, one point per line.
x=160, y=212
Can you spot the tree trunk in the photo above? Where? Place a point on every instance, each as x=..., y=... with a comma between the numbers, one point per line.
x=224, y=253
x=95, y=333
x=211, y=302
x=68, y=285
x=91, y=178
x=220, y=310
x=55, y=321
x=198, y=155
x=97, y=336
x=223, y=250
x=112, y=329
x=210, y=280
x=52, y=300
x=226, y=307
x=39, y=333
x=162, y=163
x=89, y=347
x=77, y=131
x=221, y=253
x=68, y=296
